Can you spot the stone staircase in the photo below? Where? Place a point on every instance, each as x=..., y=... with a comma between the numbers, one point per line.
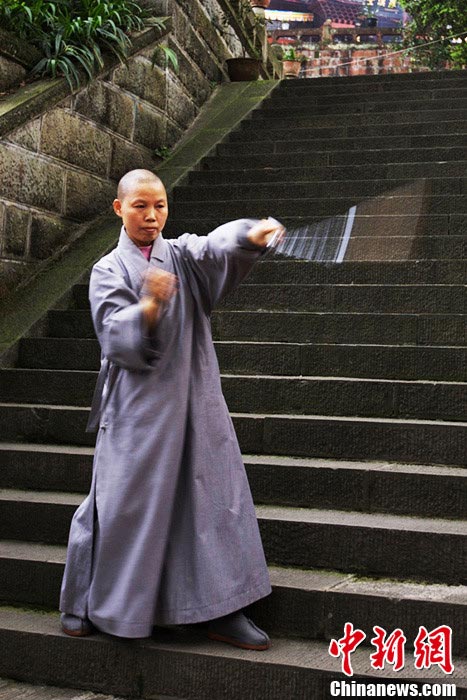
x=347, y=387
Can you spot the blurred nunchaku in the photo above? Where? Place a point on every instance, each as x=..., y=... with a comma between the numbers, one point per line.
x=322, y=241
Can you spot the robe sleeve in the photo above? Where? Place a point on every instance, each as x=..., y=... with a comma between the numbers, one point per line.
x=119, y=321
x=222, y=259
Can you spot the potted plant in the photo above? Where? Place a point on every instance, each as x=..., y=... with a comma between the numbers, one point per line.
x=371, y=19
x=291, y=62
x=246, y=68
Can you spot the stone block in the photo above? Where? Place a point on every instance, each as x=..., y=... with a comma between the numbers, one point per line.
x=127, y=156
x=149, y=127
x=27, y=135
x=140, y=78
x=173, y=134
x=87, y=196
x=205, y=27
x=11, y=273
x=47, y=234
x=107, y=106
x=11, y=74
x=194, y=81
x=74, y=140
x=16, y=230
x=195, y=47
x=29, y=179
x=179, y=106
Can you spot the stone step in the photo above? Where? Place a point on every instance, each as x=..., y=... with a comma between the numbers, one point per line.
x=370, y=439
x=285, y=147
x=302, y=107
x=267, y=394
x=371, y=487
x=388, y=272
x=16, y=690
x=248, y=131
x=320, y=189
x=311, y=604
x=286, y=326
x=362, y=99
x=281, y=173
x=324, y=158
x=420, y=114
x=367, y=544
x=384, y=204
x=365, y=228
x=379, y=82
x=349, y=87
x=312, y=359
x=184, y=663
x=327, y=297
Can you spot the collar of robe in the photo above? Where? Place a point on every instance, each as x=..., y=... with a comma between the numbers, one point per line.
x=137, y=263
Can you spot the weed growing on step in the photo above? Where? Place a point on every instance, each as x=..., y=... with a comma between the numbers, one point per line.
x=74, y=36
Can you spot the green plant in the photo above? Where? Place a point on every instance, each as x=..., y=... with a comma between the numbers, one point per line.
x=432, y=24
x=289, y=53
x=162, y=152
x=74, y=34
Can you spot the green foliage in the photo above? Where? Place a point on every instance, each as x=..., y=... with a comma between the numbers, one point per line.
x=290, y=54
x=74, y=34
x=435, y=21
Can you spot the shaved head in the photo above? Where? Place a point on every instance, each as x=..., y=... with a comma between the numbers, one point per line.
x=135, y=178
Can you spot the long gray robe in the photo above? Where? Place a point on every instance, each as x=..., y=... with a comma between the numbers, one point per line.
x=168, y=533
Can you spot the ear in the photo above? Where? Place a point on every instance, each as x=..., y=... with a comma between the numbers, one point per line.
x=117, y=206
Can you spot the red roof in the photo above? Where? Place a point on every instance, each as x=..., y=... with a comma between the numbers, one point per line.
x=343, y=12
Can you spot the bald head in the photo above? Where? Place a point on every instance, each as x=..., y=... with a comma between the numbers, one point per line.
x=135, y=178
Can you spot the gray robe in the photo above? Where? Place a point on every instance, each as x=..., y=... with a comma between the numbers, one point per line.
x=168, y=533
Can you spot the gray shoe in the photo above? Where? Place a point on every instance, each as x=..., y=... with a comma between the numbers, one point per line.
x=239, y=630
x=75, y=626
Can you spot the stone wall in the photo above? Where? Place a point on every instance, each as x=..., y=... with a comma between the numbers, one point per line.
x=58, y=168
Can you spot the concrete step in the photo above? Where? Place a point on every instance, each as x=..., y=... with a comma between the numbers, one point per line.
x=383, y=545
x=327, y=297
x=324, y=158
x=302, y=107
x=284, y=173
x=248, y=131
x=362, y=99
x=331, y=327
x=420, y=114
x=389, y=81
x=341, y=144
x=371, y=487
x=268, y=394
x=311, y=604
x=312, y=359
x=185, y=664
x=320, y=189
x=396, y=440
x=16, y=690
x=388, y=272
x=368, y=221
x=368, y=88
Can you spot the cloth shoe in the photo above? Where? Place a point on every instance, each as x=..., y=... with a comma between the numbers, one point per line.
x=239, y=630
x=75, y=626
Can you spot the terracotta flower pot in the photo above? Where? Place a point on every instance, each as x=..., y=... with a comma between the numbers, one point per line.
x=242, y=69
x=291, y=69
x=260, y=3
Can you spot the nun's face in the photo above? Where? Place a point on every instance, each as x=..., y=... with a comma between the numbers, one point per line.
x=144, y=211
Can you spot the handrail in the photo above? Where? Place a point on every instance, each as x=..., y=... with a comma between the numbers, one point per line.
x=357, y=61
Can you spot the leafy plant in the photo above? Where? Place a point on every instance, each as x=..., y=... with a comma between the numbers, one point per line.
x=74, y=34
x=434, y=21
x=290, y=54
